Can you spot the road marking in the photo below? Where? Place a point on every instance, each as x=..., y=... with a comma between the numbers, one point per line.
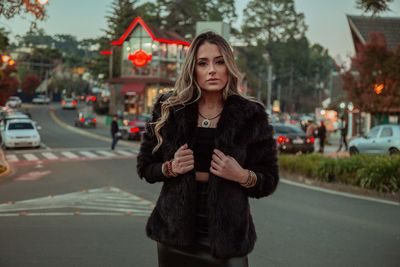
x=12, y=158
x=100, y=201
x=333, y=192
x=49, y=155
x=70, y=155
x=88, y=154
x=106, y=153
x=30, y=157
x=32, y=176
x=125, y=153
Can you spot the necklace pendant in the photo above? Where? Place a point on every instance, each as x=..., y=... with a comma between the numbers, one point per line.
x=205, y=123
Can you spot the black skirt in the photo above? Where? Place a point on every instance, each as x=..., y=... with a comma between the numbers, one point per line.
x=196, y=256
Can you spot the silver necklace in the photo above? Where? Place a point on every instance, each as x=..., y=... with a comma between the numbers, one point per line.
x=206, y=122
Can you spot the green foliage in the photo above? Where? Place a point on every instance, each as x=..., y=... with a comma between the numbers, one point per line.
x=374, y=6
x=381, y=173
x=4, y=40
x=120, y=16
x=267, y=21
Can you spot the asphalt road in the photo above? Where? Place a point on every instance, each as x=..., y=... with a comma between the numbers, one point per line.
x=74, y=202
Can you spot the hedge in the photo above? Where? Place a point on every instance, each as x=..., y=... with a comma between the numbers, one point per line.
x=381, y=173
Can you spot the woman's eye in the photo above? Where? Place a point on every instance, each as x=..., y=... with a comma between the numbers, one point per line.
x=220, y=62
x=201, y=63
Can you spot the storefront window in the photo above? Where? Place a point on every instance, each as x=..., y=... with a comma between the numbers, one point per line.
x=133, y=103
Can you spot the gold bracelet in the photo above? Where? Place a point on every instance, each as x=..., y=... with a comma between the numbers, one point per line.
x=248, y=179
x=251, y=180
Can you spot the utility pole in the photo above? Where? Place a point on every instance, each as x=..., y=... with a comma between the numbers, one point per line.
x=269, y=88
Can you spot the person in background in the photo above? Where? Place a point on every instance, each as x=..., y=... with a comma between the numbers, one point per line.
x=114, y=132
x=321, y=136
x=311, y=128
x=212, y=149
x=343, y=134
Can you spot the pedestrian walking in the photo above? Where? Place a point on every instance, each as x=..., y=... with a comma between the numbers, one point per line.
x=114, y=132
x=212, y=149
x=321, y=136
x=343, y=134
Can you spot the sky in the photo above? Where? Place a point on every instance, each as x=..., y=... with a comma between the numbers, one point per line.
x=326, y=20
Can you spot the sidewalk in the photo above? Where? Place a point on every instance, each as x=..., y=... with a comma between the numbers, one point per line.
x=332, y=146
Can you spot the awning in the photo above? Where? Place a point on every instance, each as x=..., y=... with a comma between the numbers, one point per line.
x=132, y=88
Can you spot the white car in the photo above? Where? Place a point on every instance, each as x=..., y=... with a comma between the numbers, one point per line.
x=381, y=139
x=20, y=133
x=14, y=102
x=41, y=99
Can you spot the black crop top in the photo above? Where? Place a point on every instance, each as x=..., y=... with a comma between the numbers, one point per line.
x=203, y=149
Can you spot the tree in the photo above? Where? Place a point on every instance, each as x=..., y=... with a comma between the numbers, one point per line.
x=29, y=84
x=121, y=15
x=181, y=15
x=268, y=21
x=374, y=6
x=375, y=87
x=10, y=9
x=4, y=40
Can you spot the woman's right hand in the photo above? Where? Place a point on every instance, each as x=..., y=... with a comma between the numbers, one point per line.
x=183, y=160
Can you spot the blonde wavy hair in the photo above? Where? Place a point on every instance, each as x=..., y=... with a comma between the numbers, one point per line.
x=186, y=87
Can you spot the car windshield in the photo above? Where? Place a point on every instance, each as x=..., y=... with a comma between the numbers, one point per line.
x=286, y=129
x=20, y=126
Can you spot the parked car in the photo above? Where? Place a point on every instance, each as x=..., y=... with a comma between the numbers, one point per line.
x=84, y=119
x=69, y=103
x=12, y=115
x=20, y=133
x=134, y=128
x=14, y=102
x=381, y=139
x=292, y=139
x=41, y=99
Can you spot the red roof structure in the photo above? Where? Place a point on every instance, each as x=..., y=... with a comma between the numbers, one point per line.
x=156, y=34
x=362, y=26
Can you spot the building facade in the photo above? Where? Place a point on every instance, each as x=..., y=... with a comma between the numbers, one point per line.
x=144, y=62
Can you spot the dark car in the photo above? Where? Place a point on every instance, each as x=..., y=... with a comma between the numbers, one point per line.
x=134, y=128
x=85, y=119
x=292, y=139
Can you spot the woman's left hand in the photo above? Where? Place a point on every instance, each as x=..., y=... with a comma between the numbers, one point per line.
x=227, y=167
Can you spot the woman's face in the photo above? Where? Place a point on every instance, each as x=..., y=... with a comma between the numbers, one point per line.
x=211, y=71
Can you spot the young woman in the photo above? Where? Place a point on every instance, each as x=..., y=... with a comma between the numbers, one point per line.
x=212, y=149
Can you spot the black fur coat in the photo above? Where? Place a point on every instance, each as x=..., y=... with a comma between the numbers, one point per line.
x=243, y=132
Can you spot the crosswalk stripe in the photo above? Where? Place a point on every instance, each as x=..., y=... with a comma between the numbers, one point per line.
x=54, y=155
x=91, y=201
x=125, y=153
x=106, y=153
x=30, y=157
x=12, y=158
x=70, y=155
x=49, y=155
x=88, y=154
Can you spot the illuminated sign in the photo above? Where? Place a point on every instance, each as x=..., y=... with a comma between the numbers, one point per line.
x=139, y=58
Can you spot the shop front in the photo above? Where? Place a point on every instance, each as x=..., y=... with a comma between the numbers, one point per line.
x=144, y=63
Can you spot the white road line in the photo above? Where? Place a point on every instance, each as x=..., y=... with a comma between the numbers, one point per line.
x=88, y=154
x=125, y=153
x=30, y=157
x=106, y=153
x=70, y=155
x=12, y=158
x=333, y=192
x=49, y=155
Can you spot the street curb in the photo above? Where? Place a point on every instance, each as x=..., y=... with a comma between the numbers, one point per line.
x=82, y=132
